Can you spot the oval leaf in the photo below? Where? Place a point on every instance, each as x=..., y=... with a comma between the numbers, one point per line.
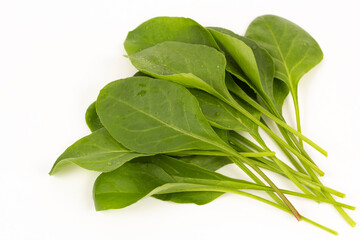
x=150, y=175
x=254, y=62
x=191, y=65
x=92, y=119
x=97, y=151
x=223, y=116
x=161, y=29
x=295, y=52
x=154, y=116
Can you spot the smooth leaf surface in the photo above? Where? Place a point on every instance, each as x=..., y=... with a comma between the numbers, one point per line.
x=211, y=163
x=191, y=65
x=281, y=91
x=294, y=51
x=97, y=151
x=223, y=116
x=152, y=175
x=221, y=133
x=135, y=180
x=161, y=29
x=92, y=119
x=254, y=62
x=155, y=116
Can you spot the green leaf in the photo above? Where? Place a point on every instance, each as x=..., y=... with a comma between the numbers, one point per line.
x=294, y=51
x=191, y=65
x=161, y=29
x=281, y=91
x=97, y=151
x=211, y=163
x=223, y=116
x=154, y=175
x=92, y=119
x=154, y=116
x=254, y=65
x=222, y=133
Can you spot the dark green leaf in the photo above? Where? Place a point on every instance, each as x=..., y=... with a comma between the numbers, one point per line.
x=152, y=175
x=154, y=116
x=280, y=93
x=97, y=151
x=92, y=119
x=191, y=65
x=255, y=63
x=211, y=163
x=161, y=29
x=223, y=116
x=295, y=52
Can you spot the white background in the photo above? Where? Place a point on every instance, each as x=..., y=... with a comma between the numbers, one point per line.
x=55, y=56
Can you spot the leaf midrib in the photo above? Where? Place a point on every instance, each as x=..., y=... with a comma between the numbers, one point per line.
x=169, y=126
x=281, y=55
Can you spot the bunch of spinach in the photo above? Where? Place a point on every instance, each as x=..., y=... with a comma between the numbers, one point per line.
x=166, y=130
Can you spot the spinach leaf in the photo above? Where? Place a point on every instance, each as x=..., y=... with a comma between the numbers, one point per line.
x=211, y=163
x=192, y=65
x=255, y=63
x=281, y=91
x=161, y=29
x=92, y=119
x=154, y=116
x=97, y=151
x=294, y=51
x=223, y=116
x=221, y=133
x=151, y=175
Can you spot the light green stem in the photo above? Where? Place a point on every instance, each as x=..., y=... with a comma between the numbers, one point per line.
x=274, y=136
x=277, y=120
x=297, y=114
x=272, y=185
x=252, y=196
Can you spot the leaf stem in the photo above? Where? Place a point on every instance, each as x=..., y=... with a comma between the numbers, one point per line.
x=266, y=164
x=249, y=195
x=279, y=193
x=253, y=103
x=297, y=114
x=235, y=105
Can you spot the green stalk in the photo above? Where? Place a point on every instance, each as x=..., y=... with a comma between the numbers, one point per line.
x=272, y=185
x=286, y=152
x=234, y=104
x=217, y=153
x=282, y=166
x=257, y=180
x=281, y=122
x=245, y=185
x=297, y=114
x=253, y=196
x=341, y=211
x=269, y=165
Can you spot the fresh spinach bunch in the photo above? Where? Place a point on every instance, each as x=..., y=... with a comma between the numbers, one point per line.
x=166, y=130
